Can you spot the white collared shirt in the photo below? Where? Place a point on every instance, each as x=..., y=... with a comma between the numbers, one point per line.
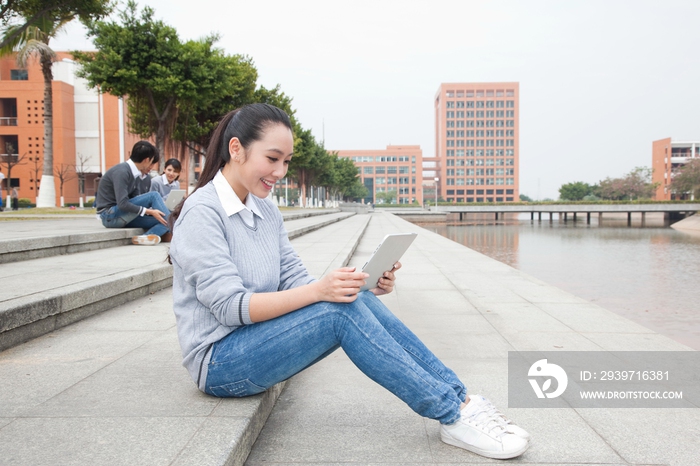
x=231, y=203
x=165, y=181
x=135, y=171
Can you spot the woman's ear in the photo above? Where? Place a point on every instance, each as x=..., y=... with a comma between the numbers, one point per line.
x=235, y=150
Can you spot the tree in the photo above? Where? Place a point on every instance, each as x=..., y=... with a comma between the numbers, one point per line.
x=26, y=13
x=81, y=169
x=63, y=173
x=10, y=159
x=575, y=191
x=687, y=179
x=387, y=197
x=525, y=198
x=140, y=58
x=634, y=185
x=41, y=21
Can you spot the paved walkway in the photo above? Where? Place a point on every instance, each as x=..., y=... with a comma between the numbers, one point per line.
x=110, y=389
x=471, y=310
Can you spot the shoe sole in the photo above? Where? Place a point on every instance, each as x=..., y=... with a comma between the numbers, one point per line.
x=501, y=455
x=150, y=240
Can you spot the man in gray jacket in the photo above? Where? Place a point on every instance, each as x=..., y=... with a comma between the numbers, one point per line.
x=120, y=204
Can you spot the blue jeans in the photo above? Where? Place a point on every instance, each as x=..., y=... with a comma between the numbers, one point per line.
x=116, y=218
x=255, y=357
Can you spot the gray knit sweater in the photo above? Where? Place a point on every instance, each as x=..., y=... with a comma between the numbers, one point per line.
x=116, y=187
x=218, y=263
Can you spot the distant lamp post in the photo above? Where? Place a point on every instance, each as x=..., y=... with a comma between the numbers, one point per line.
x=436, y=196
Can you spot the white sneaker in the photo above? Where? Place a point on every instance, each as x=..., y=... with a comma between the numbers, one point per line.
x=149, y=240
x=507, y=423
x=482, y=433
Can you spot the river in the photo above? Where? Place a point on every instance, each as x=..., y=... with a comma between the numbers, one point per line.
x=648, y=274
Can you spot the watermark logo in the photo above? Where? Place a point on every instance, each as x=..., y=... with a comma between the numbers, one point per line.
x=542, y=368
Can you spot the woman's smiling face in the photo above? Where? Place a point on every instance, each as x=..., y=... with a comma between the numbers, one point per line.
x=265, y=161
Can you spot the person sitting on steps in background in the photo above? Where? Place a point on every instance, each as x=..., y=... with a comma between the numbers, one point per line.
x=120, y=204
x=168, y=180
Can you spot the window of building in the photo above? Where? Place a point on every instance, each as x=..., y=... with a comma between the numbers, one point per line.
x=460, y=143
x=479, y=123
x=368, y=170
x=480, y=114
x=460, y=113
x=450, y=172
x=450, y=114
x=460, y=104
x=489, y=162
x=391, y=170
x=510, y=152
x=470, y=152
x=450, y=143
x=470, y=124
x=470, y=181
x=470, y=114
x=489, y=172
x=499, y=171
x=450, y=104
x=510, y=133
x=510, y=114
x=510, y=171
x=390, y=180
x=459, y=153
x=460, y=162
x=479, y=172
x=470, y=104
x=510, y=142
x=479, y=104
x=499, y=133
x=450, y=181
x=380, y=170
x=510, y=181
x=510, y=123
x=404, y=170
x=450, y=152
x=489, y=143
x=479, y=181
x=489, y=104
x=470, y=172
x=450, y=124
x=499, y=162
x=479, y=143
x=460, y=124
x=460, y=181
x=19, y=75
x=510, y=104
x=490, y=181
x=490, y=123
x=380, y=180
x=499, y=104
x=470, y=143
x=460, y=172
x=450, y=162
x=450, y=133
x=403, y=180
x=510, y=162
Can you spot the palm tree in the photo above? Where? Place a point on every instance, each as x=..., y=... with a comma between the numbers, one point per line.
x=33, y=42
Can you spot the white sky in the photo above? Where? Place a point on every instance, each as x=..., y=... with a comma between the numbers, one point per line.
x=599, y=79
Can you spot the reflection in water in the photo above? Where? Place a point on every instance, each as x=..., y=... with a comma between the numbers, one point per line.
x=649, y=275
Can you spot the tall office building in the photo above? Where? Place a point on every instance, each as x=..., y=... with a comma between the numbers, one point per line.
x=396, y=169
x=667, y=157
x=477, y=136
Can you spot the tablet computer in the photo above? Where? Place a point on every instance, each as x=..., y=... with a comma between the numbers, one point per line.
x=174, y=198
x=385, y=256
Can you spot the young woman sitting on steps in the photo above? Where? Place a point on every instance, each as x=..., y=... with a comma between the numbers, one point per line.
x=250, y=316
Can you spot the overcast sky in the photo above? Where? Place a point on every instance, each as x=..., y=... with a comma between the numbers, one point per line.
x=599, y=80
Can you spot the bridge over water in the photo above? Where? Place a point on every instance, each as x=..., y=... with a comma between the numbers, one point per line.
x=669, y=210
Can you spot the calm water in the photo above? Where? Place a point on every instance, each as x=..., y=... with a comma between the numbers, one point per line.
x=649, y=275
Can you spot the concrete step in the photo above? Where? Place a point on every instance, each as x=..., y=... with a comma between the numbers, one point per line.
x=42, y=295
x=110, y=389
x=31, y=237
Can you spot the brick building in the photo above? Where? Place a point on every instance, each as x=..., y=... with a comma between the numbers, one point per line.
x=396, y=168
x=477, y=142
x=667, y=156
